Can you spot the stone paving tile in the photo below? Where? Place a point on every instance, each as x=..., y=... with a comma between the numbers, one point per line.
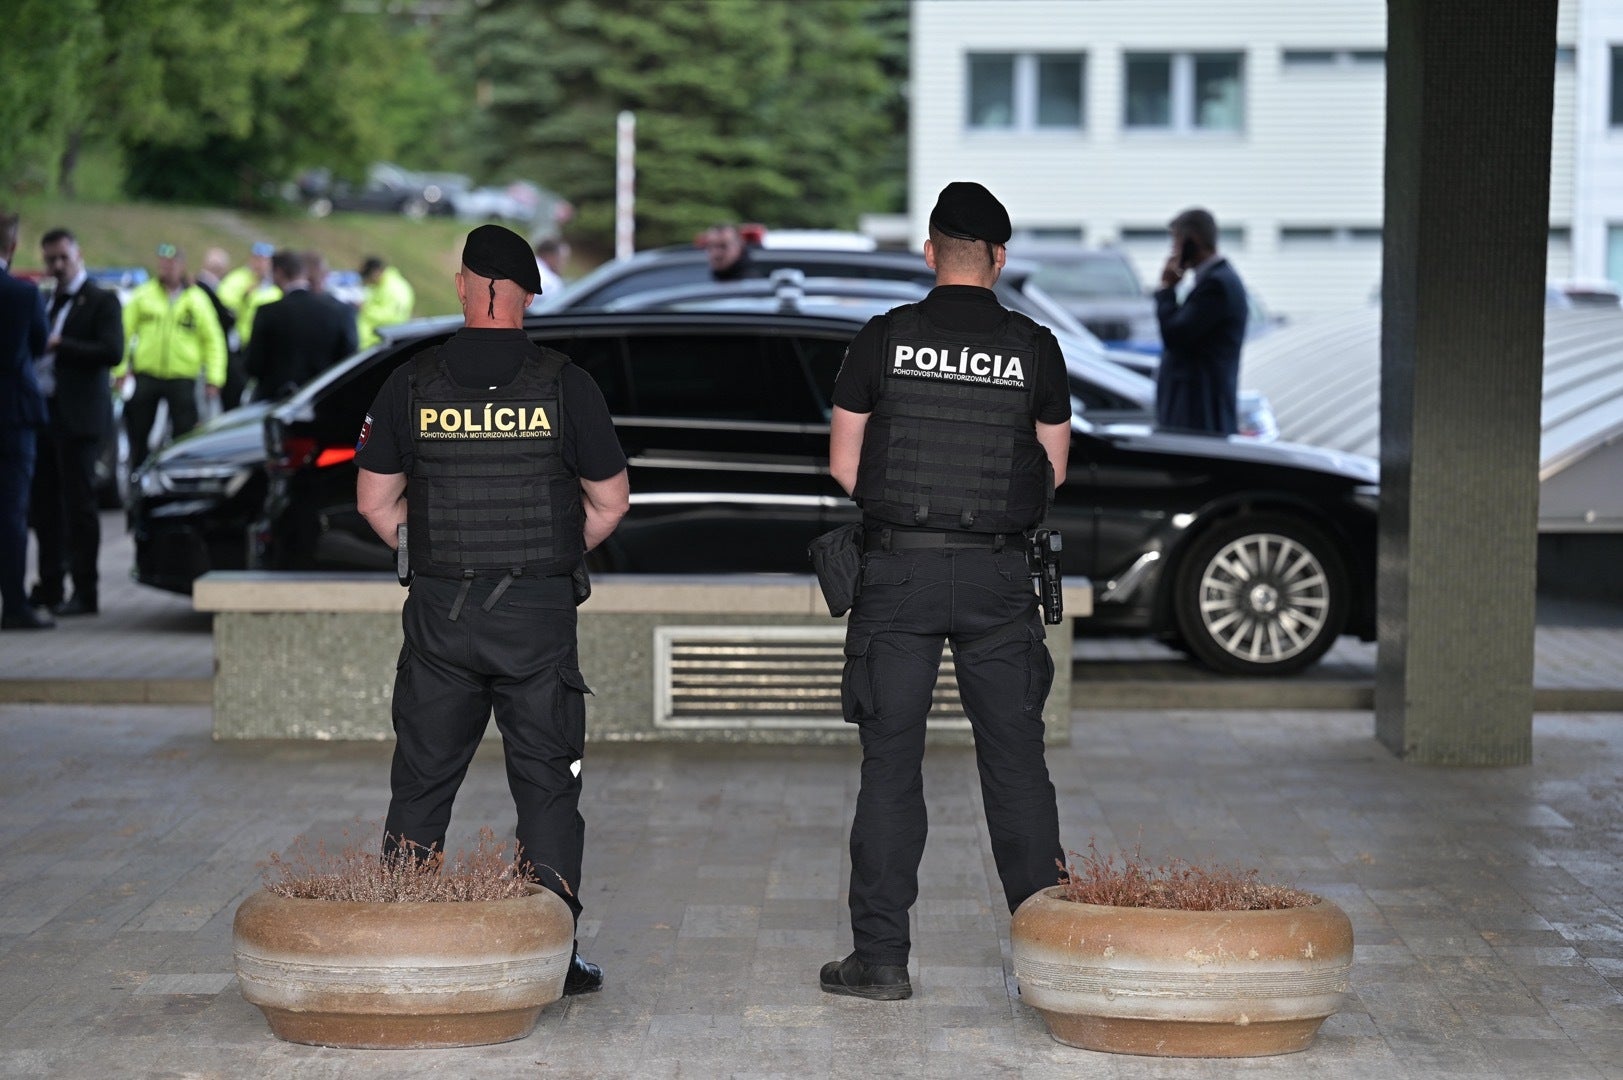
x=1489, y=942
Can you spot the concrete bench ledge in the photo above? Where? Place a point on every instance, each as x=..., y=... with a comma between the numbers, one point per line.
x=765, y=594
x=742, y=657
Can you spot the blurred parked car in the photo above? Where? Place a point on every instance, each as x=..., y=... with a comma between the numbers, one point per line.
x=1253, y=557
x=388, y=189
x=1100, y=286
x=519, y=202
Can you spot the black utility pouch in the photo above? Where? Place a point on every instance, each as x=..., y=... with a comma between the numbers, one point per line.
x=582, y=582
x=837, y=558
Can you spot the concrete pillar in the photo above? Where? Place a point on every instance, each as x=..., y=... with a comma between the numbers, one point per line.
x=1470, y=88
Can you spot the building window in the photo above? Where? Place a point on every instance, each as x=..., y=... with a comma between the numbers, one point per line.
x=1617, y=85
x=1072, y=234
x=1142, y=234
x=1614, y=254
x=1314, y=235
x=1304, y=59
x=1025, y=91
x=1184, y=92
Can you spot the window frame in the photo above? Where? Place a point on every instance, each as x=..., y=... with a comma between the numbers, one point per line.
x=1025, y=90
x=1184, y=110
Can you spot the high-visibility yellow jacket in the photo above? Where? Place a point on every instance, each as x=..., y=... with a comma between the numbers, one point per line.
x=172, y=338
x=244, y=293
x=388, y=301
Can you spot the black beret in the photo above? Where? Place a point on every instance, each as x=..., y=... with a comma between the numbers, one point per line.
x=968, y=211
x=501, y=255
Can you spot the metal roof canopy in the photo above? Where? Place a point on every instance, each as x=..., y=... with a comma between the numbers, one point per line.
x=1323, y=378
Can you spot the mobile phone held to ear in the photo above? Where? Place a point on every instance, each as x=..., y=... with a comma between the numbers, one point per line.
x=1186, y=253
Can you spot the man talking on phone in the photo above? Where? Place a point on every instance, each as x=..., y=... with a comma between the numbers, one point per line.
x=1196, y=386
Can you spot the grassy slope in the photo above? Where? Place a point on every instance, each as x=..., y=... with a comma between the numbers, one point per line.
x=127, y=234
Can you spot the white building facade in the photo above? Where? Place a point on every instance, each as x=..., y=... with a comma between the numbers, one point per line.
x=1098, y=120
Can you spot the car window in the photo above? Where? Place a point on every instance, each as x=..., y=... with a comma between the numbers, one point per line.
x=821, y=359
x=603, y=358
x=1088, y=278
x=716, y=377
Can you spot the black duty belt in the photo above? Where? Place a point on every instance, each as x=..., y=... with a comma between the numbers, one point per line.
x=928, y=539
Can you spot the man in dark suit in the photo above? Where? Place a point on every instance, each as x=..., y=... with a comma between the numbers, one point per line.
x=22, y=414
x=86, y=328
x=1197, y=386
x=298, y=336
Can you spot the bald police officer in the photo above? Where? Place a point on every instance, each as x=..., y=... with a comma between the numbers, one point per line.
x=500, y=459
x=951, y=427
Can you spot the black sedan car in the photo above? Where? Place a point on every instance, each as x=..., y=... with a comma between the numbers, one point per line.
x=1254, y=557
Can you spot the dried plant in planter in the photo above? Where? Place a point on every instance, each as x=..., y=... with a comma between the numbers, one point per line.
x=409, y=873
x=1126, y=879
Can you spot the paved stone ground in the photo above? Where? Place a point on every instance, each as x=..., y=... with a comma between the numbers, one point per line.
x=1488, y=904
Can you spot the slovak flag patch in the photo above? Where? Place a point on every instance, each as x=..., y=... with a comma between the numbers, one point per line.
x=366, y=433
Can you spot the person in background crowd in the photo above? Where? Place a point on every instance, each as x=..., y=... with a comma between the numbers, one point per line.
x=1197, y=384
x=23, y=335
x=248, y=288
x=728, y=254
x=386, y=298
x=216, y=263
x=299, y=336
x=550, y=256
x=172, y=339
x=490, y=619
x=86, y=340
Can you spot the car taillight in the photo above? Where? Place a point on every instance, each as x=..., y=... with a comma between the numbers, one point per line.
x=293, y=453
x=335, y=455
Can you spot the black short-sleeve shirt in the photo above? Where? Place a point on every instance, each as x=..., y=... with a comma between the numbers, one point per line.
x=951, y=307
x=480, y=358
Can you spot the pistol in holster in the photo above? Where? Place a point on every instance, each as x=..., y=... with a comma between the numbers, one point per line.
x=1042, y=558
x=402, y=559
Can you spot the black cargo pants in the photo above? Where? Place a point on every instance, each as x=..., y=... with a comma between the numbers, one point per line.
x=910, y=602
x=519, y=659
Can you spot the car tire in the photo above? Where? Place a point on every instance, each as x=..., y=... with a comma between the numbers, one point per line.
x=1261, y=595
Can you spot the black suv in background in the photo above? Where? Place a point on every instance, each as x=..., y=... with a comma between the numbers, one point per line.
x=611, y=284
x=1255, y=557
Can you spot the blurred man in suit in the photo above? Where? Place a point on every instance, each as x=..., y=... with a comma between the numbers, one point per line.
x=210, y=278
x=22, y=414
x=298, y=336
x=86, y=327
x=1196, y=388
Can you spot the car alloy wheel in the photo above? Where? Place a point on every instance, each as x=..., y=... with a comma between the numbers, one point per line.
x=1262, y=595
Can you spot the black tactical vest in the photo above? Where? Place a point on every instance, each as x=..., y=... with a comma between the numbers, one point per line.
x=488, y=490
x=952, y=441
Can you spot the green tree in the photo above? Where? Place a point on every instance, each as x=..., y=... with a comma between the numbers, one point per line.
x=746, y=109
x=330, y=87
x=54, y=46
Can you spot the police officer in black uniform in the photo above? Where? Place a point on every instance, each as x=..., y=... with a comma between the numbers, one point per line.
x=500, y=459
x=951, y=427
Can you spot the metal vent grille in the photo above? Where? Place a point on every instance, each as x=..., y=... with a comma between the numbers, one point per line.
x=765, y=677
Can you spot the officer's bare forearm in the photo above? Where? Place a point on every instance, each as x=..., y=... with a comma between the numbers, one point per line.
x=845, y=446
x=381, y=499
x=605, y=503
x=1056, y=443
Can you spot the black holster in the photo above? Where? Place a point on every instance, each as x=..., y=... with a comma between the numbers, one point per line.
x=581, y=579
x=837, y=558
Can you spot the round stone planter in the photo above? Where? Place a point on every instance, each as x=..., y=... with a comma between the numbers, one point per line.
x=406, y=975
x=1181, y=983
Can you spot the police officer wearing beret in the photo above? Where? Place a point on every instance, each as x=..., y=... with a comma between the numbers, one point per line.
x=500, y=459
x=951, y=427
